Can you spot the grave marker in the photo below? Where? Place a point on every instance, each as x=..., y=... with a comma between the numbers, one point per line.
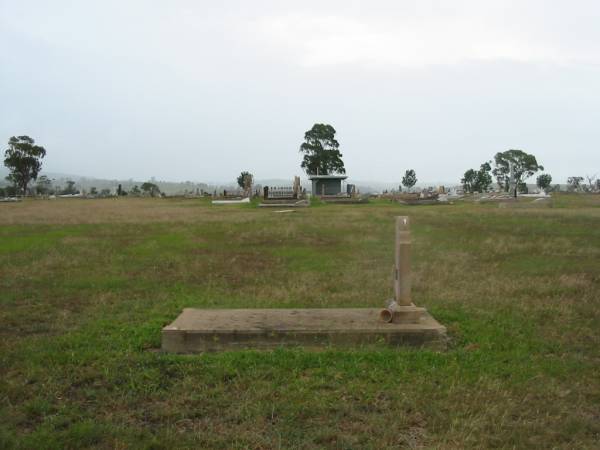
x=400, y=323
x=401, y=309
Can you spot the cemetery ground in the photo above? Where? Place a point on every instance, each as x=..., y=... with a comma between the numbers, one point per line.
x=87, y=285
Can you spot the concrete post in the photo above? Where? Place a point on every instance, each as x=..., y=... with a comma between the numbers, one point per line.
x=402, y=272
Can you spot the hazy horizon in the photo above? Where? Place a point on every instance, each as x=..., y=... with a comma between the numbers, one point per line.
x=283, y=181
x=201, y=91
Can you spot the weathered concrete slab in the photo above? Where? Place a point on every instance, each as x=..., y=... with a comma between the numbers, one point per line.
x=199, y=330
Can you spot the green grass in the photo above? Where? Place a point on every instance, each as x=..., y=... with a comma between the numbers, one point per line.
x=85, y=287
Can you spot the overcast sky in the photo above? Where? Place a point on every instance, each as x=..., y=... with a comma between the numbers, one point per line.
x=201, y=90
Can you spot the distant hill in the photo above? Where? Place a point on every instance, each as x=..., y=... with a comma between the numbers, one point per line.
x=182, y=187
x=86, y=183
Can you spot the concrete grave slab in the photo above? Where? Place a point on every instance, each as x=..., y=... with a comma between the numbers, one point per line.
x=200, y=330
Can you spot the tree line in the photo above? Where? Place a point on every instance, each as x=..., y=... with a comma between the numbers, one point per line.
x=512, y=168
x=321, y=156
x=23, y=158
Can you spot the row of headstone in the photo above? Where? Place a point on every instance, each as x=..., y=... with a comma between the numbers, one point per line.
x=229, y=193
x=279, y=192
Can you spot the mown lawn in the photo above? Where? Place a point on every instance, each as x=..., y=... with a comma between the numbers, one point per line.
x=86, y=285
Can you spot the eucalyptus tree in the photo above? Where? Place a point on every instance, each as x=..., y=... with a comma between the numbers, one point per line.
x=409, y=179
x=321, y=151
x=24, y=161
x=543, y=181
x=513, y=167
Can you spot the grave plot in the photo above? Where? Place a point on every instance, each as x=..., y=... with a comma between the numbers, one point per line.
x=401, y=323
x=230, y=197
x=284, y=196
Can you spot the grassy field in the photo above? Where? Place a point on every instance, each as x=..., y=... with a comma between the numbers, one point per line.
x=86, y=285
